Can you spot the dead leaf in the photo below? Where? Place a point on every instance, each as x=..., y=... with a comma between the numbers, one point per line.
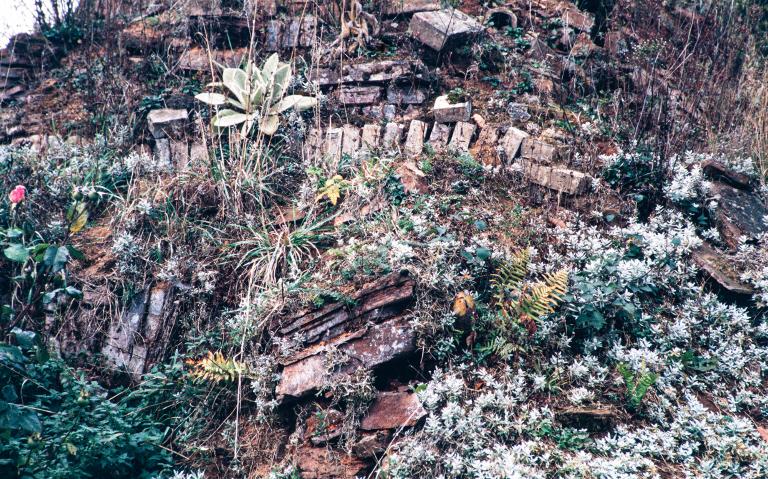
x=412, y=178
x=463, y=304
x=332, y=189
x=763, y=433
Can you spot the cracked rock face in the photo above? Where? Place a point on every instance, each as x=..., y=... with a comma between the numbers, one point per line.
x=376, y=331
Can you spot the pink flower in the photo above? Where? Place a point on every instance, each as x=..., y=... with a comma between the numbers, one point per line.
x=18, y=194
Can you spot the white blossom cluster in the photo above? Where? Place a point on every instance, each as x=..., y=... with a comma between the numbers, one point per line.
x=494, y=424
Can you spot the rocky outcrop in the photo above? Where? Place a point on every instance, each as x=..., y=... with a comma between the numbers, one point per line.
x=721, y=270
x=739, y=214
x=138, y=338
x=373, y=332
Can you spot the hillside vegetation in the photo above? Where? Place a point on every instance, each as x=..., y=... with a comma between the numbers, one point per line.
x=300, y=239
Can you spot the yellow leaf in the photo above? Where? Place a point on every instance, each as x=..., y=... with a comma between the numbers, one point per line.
x=463, y=304
x=81, y=219
x=332, y=190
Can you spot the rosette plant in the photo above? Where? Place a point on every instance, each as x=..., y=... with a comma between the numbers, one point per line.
x=257, y=95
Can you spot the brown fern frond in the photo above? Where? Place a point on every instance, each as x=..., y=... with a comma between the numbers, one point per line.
x=558, y=282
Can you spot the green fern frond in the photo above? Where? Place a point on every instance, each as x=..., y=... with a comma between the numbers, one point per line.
x=217, y=368
x=509, y=277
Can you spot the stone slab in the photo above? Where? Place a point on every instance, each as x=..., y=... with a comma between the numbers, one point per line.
x=414, y=141
x=462, y=136
x=443, y=27
x=446, y=112
x=393, y=410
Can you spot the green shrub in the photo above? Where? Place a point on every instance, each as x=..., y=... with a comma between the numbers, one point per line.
x=56, y=424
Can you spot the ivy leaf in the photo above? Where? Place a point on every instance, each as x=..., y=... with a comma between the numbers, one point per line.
x=75, y=253
x=14, y=417
x=26, y=339
x=13, y=233
x=56, y=258
x=16, y=252
x=483, y=253
x=73, y=292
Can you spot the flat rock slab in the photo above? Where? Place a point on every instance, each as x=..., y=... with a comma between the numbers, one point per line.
x=412, y=178
x=393, y=410
x=720, y=172
x=359, y=95
x=375, y=302
x=720, y=268
x=511, y=142
x=406, y=95
x=539, y=151
x=444, y=27
x=138, y=337
x=739, y=213
x=200, y=60
x=324, y=463
x=372, y=72
x=414, y=142
x=560, y=179
x=486, y=148
x=366, y=348
x=350, y=143
x=334, y=138
x=399, y=7
x=167, y=122
x=446, y=112
x=439, y=136
x=371, y=136
x=393, y=135
x=462, y=136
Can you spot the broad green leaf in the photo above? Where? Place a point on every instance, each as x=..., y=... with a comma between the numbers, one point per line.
x=11, y=354
x=235, y=103
x=73, y=292
x=50, y=296
x=297, y=102
x=27, y=420
x=75, y=253
x=270, y=66
x=13, y=233
x=269, y=124
x=235, y=80
x=56, y=258
x=17, y=253
x=305, y=103
x=214, y=99
x=257, y=96
x=280, y=81
x=38, y=252
x=257, y=79
x=227, y=118
x=9, y=393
